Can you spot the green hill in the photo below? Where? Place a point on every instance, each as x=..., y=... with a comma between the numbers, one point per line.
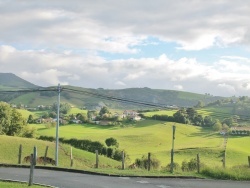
x=84, y=97
x=82, y=159
x=9, y=80
x=156, y=137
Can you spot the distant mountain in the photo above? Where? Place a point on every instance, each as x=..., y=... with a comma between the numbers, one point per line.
x=9, y=80
x=84, y=97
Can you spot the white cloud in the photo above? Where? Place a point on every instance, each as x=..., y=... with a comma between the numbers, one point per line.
x=178, y=87
x=118, y=27
x=63, y=41
x=48, y=68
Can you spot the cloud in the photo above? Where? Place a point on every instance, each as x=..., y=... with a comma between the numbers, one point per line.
x=51, y=42
x=47, y=68
x=178, y=87
x=118, y=27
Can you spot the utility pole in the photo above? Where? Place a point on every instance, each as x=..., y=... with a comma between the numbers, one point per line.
x=172, y=151
x=57, y=125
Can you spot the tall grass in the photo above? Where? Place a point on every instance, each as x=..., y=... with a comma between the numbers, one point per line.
x=233, y=173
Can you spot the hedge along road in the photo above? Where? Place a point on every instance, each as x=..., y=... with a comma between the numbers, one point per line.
x=78, y=180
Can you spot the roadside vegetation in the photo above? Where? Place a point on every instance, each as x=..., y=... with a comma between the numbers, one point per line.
x=17, y=185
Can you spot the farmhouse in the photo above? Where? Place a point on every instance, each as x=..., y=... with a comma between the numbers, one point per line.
x=131, y=114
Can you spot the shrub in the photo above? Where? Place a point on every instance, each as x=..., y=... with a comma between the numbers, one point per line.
x=191, y=165
x=176, y=167
x=184, y=166
x=28, y=132
x=110, y=152
x=143, y=162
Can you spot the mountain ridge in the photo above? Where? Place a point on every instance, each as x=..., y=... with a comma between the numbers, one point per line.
x=82, y=97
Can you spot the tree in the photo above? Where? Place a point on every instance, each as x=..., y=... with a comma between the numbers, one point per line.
x=5, y=117
x=52, y=114
x=104, y=110
x=82, y=117
x=180, y=116
x=217, y=126
x=11, y=121
x=111, y=142
x=91, y=114
x=208, y=121
x=200, y=104
x=30, y=119
x=64, y=108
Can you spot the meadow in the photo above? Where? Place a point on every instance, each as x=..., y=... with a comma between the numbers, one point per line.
x=82, y=159
x=156, y=137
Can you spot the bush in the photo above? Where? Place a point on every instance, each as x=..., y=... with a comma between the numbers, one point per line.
x=191, y=165
x=28, y=132
x=176, y=167
x=143, y=162
x=110, y=152
x=184, y=166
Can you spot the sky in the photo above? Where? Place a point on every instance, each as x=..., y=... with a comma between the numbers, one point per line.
x=200, y=46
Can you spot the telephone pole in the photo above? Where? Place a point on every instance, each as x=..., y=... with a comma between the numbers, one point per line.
x=58, y=121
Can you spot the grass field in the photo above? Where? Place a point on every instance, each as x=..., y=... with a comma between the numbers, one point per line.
x=216, y=112
x=156, y=137
x=161, y=112
x=82, y=159
x=17, y=185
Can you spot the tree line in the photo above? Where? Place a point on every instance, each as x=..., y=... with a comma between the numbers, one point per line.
x=192, y=117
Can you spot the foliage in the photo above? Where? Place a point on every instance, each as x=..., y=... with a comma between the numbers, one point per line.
x=11, y=121
x=176, y=167
x=82, y=117
x=111, y=142
x=50, y=125
x=143, y=162
x=104, y=110
x=28, y=132
x=64, y=107
x=217, y=126
x=30, y=119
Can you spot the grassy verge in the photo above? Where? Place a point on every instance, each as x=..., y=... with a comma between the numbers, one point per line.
x=17, y=185
x=233, y=173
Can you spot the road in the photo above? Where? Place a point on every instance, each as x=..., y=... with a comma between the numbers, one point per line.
x=76, y=180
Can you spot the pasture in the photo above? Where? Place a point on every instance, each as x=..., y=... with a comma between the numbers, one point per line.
x=156, y=137
x=82, y=159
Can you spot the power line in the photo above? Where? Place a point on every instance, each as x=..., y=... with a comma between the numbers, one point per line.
x=117, y=99
x=122, y=100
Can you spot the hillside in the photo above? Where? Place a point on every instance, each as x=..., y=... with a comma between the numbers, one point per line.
x=82, y=159
x=156, y=137
x=82, y=97
x=9, y=80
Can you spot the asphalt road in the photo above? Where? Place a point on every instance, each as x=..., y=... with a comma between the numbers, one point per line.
x=76, y=180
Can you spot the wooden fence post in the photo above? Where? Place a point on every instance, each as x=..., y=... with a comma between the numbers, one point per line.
x=20, y=154
x=31, y=169
x=71, y=157
x=249, y=161
x=149, y=161
x=45, y=155
x=123, y=160
x=198, y=163
x=97, y=160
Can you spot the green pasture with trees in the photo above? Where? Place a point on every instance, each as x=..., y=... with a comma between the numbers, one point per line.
x=195, y=133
